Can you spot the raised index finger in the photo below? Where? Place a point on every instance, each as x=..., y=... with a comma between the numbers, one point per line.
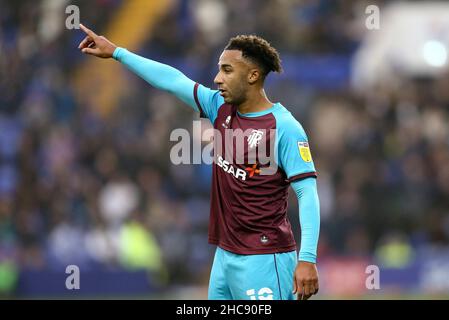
x=87, y=31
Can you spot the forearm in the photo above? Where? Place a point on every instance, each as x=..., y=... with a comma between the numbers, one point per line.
x=159, y=75
x=309, y=216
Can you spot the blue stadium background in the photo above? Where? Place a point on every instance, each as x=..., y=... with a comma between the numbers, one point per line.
x=85, y=171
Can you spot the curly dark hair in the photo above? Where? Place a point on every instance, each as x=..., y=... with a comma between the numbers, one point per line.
x=257, y=50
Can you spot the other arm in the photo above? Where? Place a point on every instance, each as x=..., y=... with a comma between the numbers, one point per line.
x=296, y=160
x=305, y=279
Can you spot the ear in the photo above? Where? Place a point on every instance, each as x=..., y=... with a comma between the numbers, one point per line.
x=253, y=76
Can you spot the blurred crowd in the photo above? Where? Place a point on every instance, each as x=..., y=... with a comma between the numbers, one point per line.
x=77, y=187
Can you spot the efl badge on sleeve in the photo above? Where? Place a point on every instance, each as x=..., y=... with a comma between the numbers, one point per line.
x=304, y=151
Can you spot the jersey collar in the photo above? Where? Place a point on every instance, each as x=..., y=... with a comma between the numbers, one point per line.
x=259, y=113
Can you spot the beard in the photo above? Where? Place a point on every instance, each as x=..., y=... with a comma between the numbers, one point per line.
x=235, y=99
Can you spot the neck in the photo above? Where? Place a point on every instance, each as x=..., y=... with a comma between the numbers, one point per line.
x=256, y=101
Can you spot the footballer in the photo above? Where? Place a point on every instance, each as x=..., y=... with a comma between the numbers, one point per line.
x=256, y=255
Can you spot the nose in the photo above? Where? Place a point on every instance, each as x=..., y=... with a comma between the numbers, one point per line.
x=218, y=80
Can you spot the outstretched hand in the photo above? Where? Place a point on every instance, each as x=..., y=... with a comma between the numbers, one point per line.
x=96, y=45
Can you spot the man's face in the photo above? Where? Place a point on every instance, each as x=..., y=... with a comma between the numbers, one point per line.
x=232, y=77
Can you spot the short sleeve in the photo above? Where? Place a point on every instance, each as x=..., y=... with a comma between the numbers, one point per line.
x=208, y=101
x=295, y=157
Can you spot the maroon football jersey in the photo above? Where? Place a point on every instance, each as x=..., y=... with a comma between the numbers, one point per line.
x=248, y=208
